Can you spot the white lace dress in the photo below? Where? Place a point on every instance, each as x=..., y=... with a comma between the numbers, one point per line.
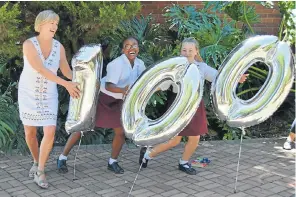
x=38, y=96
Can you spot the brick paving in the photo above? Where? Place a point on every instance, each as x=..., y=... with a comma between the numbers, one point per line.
x=265, y=170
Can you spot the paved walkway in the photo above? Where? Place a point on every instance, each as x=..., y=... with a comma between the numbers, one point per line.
x=265, y=170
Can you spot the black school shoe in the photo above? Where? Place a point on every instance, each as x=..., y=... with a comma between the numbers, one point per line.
x=115, y=168
x=190, y=170
x=142, y=153
x=62, y=166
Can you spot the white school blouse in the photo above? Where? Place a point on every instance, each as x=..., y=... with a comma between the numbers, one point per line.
x=121, y=73
x=206, y=71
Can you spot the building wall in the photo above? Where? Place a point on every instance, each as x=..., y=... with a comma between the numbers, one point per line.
x=270, y=18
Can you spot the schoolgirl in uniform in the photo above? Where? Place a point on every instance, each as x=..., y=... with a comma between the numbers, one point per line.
x=198, y=125
x=122, y=72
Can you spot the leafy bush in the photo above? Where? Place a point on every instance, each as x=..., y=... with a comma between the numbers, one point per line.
x=12, y=134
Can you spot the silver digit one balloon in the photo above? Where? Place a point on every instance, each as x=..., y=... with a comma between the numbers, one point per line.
x=245, y=113
x=87, y=66
x=148, y=132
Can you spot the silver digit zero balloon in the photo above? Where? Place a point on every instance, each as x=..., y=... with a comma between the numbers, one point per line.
x=87, y=66
x=245, y=113
x=148, y=132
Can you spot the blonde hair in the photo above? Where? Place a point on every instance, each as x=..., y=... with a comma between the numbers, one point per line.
x=195, y=42
x=44, y=17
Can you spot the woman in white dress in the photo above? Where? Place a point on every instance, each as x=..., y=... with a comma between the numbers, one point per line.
x=37, y=92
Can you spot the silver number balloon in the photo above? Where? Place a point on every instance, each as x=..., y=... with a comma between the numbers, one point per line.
x=148, y=132
x=245, y=113
x=87, y=66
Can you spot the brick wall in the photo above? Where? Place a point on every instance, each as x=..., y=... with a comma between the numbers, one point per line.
x=269, y=18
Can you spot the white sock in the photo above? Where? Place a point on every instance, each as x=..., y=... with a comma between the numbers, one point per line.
x=182, y=162
x=111, y=161
x=62, y=157
x=146, y=156
x=289, y=139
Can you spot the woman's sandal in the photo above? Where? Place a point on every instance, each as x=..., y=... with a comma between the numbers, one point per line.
x=41, y=183
x=33, y=170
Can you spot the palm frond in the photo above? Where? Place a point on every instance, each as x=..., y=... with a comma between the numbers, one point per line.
x=217, y=40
